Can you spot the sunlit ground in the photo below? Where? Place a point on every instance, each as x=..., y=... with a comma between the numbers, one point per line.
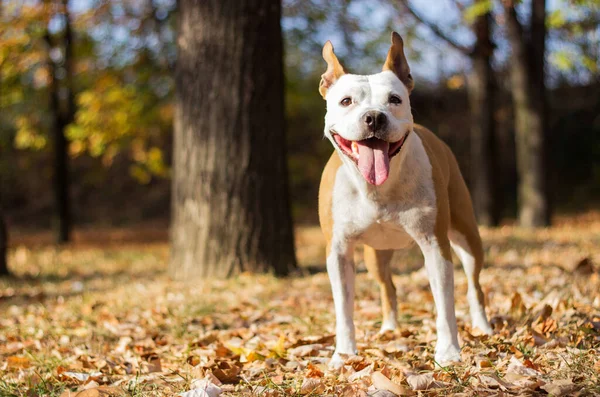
x=103, y=314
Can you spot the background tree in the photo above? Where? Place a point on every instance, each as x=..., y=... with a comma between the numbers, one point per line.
x=528, y=91
x=62, y=115
x=481, y=95
x=230, y=208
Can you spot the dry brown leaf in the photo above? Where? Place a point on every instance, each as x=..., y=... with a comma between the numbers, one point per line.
x=365, y=372
x=226, y=372
x=380, y=381
x=562, y=387
x=18, y=362
x=102, y=391
x=305, y=350
x=154, y=364
x=423, y=381
x=351, y=390
x=203, y=388
x=517, y=307
x=316, y=339
x=313, y=371
x=358, y=363
x=312, y=386
x=526, y=368
x=584, y=267
x=493, y=381
x=483, y=362
x=381, y=393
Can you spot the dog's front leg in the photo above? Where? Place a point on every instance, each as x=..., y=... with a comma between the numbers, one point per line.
x=441, y=279
x=340, y=267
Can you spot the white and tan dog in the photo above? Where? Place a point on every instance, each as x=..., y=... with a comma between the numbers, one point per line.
x=389, y=183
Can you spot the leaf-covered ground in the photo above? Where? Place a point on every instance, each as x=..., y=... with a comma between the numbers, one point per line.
x=104, y=317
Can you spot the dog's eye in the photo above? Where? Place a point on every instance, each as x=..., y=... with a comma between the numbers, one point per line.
x=395, y=99
x=346, y=102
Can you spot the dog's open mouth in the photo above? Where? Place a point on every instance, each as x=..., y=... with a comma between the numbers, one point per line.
x=372, y=156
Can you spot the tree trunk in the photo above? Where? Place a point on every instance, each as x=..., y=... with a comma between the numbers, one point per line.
x=538, y=75
x=3, y=246
x=69, y=63
x=230, y=206
x=527, y=86
x=481, y=90
x=60, y=120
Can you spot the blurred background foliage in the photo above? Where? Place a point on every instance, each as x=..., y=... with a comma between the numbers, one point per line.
x=123, y=59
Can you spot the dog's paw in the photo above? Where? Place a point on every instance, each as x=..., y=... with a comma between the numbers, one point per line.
x=387, y=326
x=482, y=325
x=336, y=362
x=447, y=356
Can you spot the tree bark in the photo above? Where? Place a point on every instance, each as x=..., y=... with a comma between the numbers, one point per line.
x=481, y=90
x=230, y=206
x=60, y=120
x=528, y=92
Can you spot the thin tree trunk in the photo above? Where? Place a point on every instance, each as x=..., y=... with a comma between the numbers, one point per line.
x=527, y=85
x=69, y=63
x=61, y=183
x=230, y=206
x=481, y=88
x=537, y=71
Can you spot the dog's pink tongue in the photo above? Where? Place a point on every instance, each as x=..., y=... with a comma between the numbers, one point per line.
x=374, y=160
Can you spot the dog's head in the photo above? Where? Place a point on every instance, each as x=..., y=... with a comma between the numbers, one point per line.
x=368, y=117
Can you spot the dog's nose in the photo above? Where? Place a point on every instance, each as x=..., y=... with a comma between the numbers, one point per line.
x=375, y=120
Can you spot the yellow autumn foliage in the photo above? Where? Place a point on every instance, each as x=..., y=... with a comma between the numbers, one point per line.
x=110, y=119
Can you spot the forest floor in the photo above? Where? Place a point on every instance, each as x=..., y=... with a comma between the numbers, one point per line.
x=101, y=317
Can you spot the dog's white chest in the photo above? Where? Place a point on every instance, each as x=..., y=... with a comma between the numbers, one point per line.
x=387, y=217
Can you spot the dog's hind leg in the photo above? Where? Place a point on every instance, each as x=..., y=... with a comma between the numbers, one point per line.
x=471, y=257
x=466, y=243
x=378, y=264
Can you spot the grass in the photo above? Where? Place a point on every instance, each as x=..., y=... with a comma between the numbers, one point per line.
x=110, y=309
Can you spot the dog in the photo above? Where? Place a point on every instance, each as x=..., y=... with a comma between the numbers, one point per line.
x=389, y=183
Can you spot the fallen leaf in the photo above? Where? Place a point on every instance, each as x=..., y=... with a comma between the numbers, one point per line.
x=584, y=267
x=203, y=388
x=382, y=382
x=562, y=387
x=517, y=307
x=102, y=391
x=18, y=362
x=382, y=393
x=422, y=381
x=226, y=372
x=367, y=371
x=313, y=371
x=154, y=364
x=483, y=362
x=493, y=381
x=517, y=367
x=312, y=386
x=305, y=350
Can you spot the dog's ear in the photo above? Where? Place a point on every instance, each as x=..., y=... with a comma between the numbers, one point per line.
x=396, y=62
x=334, y=71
